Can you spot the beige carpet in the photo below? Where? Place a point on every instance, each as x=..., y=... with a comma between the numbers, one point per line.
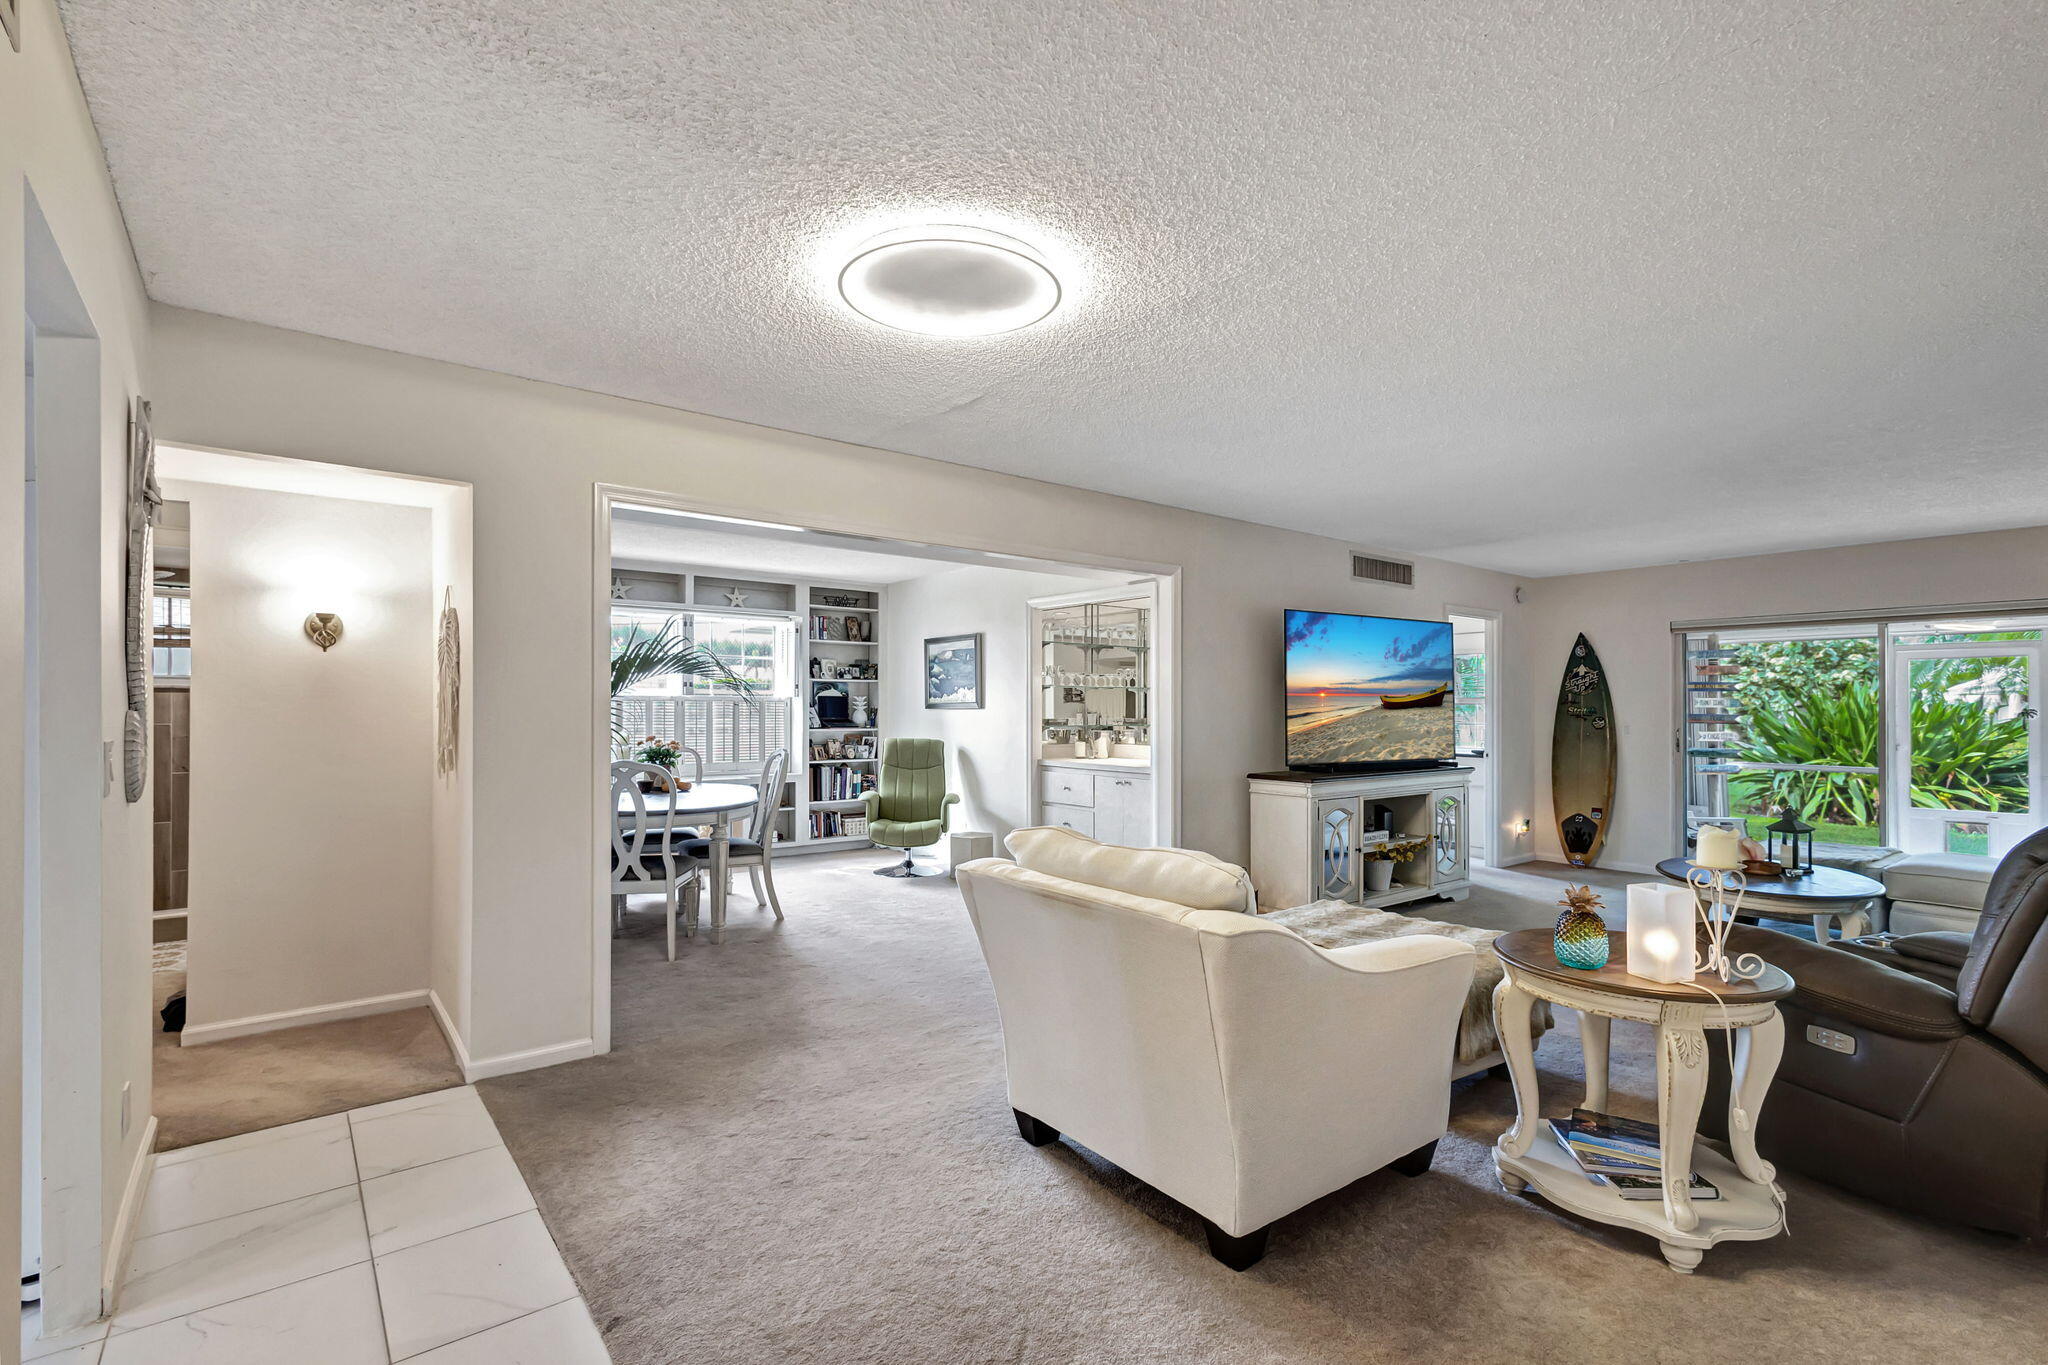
x=801, y=1151
x=238, y=1086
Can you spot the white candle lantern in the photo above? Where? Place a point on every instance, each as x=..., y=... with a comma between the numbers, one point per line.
x=1660, y=931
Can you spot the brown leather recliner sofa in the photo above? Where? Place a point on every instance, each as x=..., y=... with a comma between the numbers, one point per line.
x=1942, y=1106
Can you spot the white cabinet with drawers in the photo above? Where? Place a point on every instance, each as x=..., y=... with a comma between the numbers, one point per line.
x=1107, y=799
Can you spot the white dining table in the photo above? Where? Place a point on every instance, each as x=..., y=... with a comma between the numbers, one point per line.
x=716, y=801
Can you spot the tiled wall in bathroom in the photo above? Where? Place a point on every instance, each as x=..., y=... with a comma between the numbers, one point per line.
x=172, y=740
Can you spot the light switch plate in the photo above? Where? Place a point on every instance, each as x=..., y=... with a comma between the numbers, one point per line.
x=1832, y=1039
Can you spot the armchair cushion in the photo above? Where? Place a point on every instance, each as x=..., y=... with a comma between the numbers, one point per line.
x=1181, y=876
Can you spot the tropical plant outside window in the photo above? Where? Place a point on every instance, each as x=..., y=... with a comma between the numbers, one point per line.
x=1801, y=721
x=722, y=685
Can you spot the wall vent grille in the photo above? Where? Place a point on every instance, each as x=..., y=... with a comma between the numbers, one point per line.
x=1376, y=570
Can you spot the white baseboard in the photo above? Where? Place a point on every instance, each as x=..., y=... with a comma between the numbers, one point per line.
x=448, y=1032
x=505, y=1064
x=1516, y=861
x=122, y=1241
x=198, y=1034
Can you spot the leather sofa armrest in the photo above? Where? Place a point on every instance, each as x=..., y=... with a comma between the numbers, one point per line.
x=1856, y=989
x=1944, y=947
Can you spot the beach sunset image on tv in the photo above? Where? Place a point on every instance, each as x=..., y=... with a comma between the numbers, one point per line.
x=1367, y=689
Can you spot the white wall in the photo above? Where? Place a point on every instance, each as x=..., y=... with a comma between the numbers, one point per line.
x=534, y=453
x=48, y=148
x=987, y=760
x=1627, y=615
x=453, y=807
x=312, y=772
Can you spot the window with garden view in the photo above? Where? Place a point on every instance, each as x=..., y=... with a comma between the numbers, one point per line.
x=733, y=731
x=1918, y=736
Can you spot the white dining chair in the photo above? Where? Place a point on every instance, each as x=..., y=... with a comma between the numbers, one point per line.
x=755, y=850
x=650, y=852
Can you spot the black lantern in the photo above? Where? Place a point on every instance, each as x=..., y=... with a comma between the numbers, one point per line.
x=1781, y=843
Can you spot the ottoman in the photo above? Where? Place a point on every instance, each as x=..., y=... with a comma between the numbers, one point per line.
x=1936, y=891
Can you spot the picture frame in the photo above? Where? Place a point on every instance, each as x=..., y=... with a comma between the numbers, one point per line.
x=952, y=673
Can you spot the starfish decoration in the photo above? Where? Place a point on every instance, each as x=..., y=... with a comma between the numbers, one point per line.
x=734, y=597
x=618, y=590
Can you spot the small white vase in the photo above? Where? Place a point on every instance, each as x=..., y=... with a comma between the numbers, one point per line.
x=1379, y=875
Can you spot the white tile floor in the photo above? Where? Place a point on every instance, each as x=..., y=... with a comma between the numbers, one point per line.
x=400, y=1232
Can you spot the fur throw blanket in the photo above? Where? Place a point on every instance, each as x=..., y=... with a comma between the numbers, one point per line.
x=1336, y=924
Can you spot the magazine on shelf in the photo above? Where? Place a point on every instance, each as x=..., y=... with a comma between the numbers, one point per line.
x=1651, y=1187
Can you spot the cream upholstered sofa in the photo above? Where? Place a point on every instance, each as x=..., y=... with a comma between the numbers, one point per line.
x=1151, y=1017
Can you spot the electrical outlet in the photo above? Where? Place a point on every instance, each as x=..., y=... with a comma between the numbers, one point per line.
x=1832, y=1039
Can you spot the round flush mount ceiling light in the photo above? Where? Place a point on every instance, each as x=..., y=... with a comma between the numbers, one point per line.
x=949, y=281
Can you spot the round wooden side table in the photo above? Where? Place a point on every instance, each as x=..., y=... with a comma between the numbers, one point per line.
x=1530, y=1156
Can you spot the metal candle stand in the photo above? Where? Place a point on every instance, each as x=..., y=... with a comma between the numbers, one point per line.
x=1717, y=912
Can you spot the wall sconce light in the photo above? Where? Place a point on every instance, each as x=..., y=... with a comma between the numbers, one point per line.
x=323, y=628
x=1522, y=826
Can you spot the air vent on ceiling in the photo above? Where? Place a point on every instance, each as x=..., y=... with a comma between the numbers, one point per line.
x=1375, y=570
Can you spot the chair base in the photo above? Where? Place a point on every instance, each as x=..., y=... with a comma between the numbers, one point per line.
x=906, y=868
x=1416, y=1162
x=1239, y=1253
x=1032, y=1131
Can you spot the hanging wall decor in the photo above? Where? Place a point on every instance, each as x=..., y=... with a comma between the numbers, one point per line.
x=448, y=688
x=1582, y=756
x=145, y=500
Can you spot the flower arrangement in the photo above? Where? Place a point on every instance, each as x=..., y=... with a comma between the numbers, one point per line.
x=664, y=754
x=1395, y=851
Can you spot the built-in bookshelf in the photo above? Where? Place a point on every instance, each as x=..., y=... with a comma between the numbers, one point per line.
x=842, y=626
x=836, y=626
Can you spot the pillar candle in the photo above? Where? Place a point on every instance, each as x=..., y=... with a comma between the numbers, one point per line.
x=1719, y=847
x=1660, y=932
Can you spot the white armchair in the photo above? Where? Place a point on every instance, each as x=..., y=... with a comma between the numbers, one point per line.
x=1222, y=1060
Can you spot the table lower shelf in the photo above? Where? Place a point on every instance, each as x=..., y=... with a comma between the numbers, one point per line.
x=1745, y=1212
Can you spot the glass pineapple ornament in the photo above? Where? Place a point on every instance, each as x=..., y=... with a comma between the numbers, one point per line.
x=1581, y=937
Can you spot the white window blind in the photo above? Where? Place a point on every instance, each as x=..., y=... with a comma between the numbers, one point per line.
x=733, y=737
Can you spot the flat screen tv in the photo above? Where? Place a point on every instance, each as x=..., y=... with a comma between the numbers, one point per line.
x=1368, y=693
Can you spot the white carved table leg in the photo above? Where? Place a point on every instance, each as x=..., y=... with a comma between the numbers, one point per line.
x=1593, y=1033
x=1512, y=1007
x=1681, y=1086
x=1855, y=923
x=1757, y=1050
x=721, y=850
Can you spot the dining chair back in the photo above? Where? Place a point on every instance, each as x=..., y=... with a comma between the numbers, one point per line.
x=760, y=821
x=648, y=855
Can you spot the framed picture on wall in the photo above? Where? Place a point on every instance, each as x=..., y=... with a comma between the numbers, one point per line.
x=952, y=672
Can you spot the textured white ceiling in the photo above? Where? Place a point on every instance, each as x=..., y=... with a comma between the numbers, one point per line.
x=1542, y=287
x=652, y=538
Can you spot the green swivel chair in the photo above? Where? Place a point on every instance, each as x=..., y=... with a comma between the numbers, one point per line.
x=911, y=807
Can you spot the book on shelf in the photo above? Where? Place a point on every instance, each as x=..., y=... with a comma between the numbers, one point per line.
x=1652, y=1187
x=1596, y=1159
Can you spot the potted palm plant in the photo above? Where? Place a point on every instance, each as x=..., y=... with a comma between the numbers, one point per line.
x=641, y=656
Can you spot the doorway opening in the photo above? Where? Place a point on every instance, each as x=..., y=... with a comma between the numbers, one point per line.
x=1475, y=640
x=67, y=1149
x=808, y=671
x=309, y=915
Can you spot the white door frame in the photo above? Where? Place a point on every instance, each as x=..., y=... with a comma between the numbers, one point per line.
x=1165, y=579
x=1895, y=727
x=1161, y=597
x=1496, y=836
x=72, y=785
